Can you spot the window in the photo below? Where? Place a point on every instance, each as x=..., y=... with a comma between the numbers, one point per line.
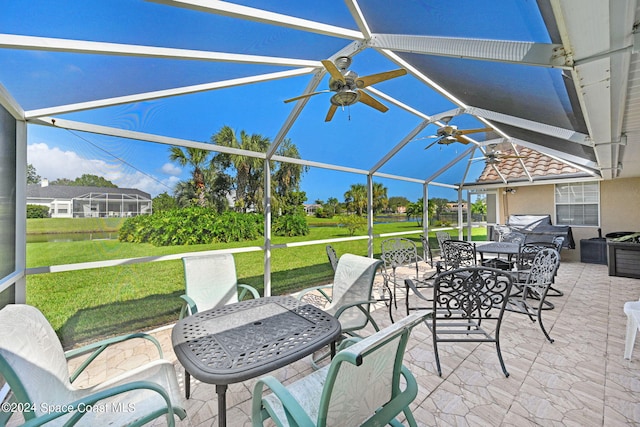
x=578, y=204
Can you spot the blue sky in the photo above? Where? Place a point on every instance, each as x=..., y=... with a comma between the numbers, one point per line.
x=357, y=137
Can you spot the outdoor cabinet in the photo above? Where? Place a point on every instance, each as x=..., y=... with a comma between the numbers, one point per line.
x=624, y=259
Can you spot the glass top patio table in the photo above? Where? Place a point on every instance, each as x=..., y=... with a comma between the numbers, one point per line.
x=247, y=339
x=504, y=248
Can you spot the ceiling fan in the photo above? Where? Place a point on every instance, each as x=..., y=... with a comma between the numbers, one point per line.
x=493, y=156
x=347, y=84
x=448, y=134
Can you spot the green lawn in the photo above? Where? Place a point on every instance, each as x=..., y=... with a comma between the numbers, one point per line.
x=90, y=304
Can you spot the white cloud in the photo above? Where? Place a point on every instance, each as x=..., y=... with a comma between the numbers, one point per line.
x=53, y=163
x=171, y=169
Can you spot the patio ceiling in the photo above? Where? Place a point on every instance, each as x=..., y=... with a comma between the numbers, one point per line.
x=556, y=76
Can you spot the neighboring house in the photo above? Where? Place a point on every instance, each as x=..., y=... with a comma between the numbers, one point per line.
x=66, y=201
x=311, y=209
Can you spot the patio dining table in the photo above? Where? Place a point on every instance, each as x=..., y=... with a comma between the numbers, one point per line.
x=236, y=342
x=498, y=248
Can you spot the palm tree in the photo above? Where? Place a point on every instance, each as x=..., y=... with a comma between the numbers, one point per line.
x=198, y=159
x=249, y=170
x=356, y=198
x=380, y=200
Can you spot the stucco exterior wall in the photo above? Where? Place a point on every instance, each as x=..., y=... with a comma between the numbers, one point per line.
x=619, y=208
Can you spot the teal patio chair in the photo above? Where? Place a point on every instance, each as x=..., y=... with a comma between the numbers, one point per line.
x=349, y=297
x=210, y=282
x=365, y=384
x=34, y=365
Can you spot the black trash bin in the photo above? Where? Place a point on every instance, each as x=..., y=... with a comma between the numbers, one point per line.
x=593, y=251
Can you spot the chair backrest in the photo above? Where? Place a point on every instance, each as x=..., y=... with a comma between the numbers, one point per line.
x=397, y=252
x=365, y=376
x=333, y=257
x=543, y=270
x=528, y=252
x=352, y=282
x=441, y=236
x=513, y=237
x=458, y=254
x=211, y=280
x=475, y=294
x=32, y=360
x=426, y=249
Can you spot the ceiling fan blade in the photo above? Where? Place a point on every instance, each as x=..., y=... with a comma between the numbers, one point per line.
x=367, y=99
x=331, y=112
x=333, y=71
x=369, y=80
x=306, y=95
x=432, y=144
x=467, y=131
x=460, y=139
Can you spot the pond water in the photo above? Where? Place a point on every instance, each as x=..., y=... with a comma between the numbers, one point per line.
x=71, y=237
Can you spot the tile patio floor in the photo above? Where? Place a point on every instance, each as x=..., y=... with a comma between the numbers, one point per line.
x=581, y=379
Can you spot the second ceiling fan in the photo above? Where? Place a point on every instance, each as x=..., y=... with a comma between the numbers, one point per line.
x=448, y=134
x=347, y=86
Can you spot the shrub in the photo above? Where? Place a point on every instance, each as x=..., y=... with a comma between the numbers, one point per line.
x=351, y=222
x=290, y=225
x=191, y=226
x=37, y=211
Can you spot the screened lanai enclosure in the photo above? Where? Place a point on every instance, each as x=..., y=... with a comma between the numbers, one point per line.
x=421, y=96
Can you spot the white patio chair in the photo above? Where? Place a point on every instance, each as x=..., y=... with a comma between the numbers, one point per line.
x=34, y=365
x=210, y=282
x=365, y=384
x=632, y=310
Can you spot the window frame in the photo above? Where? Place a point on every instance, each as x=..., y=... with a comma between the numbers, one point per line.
x=573, y=202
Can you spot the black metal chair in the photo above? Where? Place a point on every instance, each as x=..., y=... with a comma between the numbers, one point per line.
x=466, y=301
x=458, y=254
x=530, y=298
x=333, y=257
x=400, y=252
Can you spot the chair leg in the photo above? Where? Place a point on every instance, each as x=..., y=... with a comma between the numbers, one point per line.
x=632, y=329
x=544, y=330
x=187, y=384
x=435, y=352
x=504, y=368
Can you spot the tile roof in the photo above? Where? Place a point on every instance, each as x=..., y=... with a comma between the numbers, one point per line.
x=537, y=164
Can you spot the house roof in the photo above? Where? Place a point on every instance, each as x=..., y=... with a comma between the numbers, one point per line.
x=526, y=164
x=76, y=191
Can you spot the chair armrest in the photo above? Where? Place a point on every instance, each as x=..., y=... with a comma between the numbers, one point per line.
x=87, y=401
x=359, y=305
x=296, y=415
x=98, y=347
x=410, y=285
x=189, y=306
x=316, y=288
x=245, y=289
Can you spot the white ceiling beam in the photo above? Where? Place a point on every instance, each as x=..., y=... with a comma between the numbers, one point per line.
x=147, y=96
x=10, y=104
x=358, y=16
x=397, y=103
x=11, y=41
x=408, y=138
x=265, y=17
x=554, y=131
x=527, y=53
x=443, y=169
x=561, y=156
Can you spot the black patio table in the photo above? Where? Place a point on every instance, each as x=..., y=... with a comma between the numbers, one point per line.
x=498, y=248
x=236, y=342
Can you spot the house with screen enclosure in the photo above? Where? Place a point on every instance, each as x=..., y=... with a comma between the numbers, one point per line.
x=72, y=201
